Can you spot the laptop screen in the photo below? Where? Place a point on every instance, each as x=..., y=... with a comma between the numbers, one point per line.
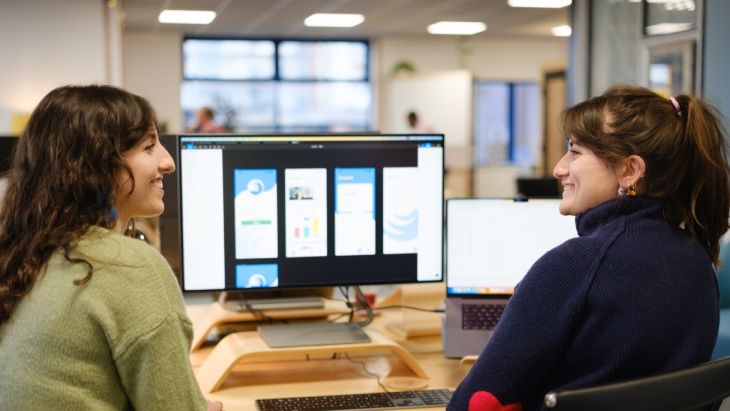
x=492, y=243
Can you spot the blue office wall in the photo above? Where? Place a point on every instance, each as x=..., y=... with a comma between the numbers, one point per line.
x=716, y=68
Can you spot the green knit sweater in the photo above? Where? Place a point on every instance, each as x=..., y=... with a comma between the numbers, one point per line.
x=119, y=342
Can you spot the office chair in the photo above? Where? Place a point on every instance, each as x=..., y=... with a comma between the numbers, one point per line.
x=699, y=388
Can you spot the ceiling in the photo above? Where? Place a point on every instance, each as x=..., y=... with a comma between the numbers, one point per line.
x=284, y=18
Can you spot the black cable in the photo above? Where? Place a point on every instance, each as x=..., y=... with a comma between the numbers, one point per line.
x=410, y=307
x=338, y=317
x=260, y=315
x=361, y=303
x=366, y=371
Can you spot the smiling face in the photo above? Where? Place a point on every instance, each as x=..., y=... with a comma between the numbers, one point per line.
x=587, y=180
x=149, y=161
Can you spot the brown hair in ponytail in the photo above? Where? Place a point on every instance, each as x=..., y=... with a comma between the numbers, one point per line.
x=684, y=148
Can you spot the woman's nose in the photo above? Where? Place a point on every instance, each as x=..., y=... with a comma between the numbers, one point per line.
x=561, y=168
x=167, y=164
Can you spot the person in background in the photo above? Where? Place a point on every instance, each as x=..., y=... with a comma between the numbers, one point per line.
x=416, y=124
x=635, y=293
x=205, y=122
x=89, y=319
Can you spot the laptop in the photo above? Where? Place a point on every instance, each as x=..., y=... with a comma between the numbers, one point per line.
x=491, y=243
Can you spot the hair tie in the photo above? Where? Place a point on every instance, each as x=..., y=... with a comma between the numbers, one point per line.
x=675, y=103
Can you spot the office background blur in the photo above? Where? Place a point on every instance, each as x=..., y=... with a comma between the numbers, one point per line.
x=496, y=95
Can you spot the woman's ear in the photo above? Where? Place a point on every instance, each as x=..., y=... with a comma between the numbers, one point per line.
x=632, y=170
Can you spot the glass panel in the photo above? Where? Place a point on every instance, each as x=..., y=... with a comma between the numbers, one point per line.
x=670, y=16
x=336, y=60
x=491, y=123
x=238, y=106
x=615, y=31
x=324, y=106
x=527, y=143
x=671, y=68
x=228, y=59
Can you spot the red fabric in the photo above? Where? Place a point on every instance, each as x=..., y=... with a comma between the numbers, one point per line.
x=485, y=401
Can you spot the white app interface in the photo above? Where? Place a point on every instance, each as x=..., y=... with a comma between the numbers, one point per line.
x=255, y=213
x=354, y=211
x=306, y=212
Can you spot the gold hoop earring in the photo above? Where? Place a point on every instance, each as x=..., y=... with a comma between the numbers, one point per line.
x=628, y=191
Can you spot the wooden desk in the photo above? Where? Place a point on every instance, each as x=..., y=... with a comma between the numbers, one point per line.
x=323, y=375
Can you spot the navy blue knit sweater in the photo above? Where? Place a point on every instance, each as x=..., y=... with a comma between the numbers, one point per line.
x=630, y=296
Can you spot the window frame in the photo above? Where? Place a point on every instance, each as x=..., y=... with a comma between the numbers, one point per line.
x=277, y=80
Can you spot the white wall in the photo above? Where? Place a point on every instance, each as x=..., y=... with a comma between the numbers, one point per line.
x=153, y=69
x=508, y=59
x=46, y=44
x=500, y=58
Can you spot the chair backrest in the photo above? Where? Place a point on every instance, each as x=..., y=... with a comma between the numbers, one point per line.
x=702, y=387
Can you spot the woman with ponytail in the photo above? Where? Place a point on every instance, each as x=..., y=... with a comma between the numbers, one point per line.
x=635, y=293
x=89, y=319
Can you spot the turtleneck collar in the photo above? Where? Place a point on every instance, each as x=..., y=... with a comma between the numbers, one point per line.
x=590, y=220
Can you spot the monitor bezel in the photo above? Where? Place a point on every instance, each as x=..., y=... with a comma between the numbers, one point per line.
x=324, y=136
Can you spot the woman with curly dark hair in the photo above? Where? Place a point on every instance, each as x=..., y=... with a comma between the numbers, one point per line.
x=89, y=318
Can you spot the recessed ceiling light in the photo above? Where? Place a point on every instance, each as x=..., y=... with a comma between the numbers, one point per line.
x=186, y=16
x=333, y=20
x=666, y=28
x=546, y=4
x=562, y=31
x=464, y=28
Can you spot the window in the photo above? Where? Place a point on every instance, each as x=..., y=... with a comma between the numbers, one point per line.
x=506, y=123
x=278, y=85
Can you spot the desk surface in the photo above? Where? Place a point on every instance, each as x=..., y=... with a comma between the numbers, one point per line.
x=328, y=376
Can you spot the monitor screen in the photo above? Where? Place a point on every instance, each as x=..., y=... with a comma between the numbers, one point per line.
x=492, y=243
x=287, y=211
x=539, y=187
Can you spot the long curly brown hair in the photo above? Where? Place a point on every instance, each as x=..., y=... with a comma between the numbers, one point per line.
x=63, y=179
x=684, y=148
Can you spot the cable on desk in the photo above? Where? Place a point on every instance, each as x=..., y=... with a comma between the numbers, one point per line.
x=332, y=320
x=410, y=307
x=366, y=371
x=259, y=314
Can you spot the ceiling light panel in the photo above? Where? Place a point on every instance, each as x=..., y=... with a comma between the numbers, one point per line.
x=463, y=28
x=333, y=20
x=186, y=16
x=542, y=4
x=562, y=31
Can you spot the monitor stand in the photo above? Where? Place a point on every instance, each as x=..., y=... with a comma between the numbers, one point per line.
x=248, y=347
x=287, y=305
x=299, y=340
x=310, y=334
x=319, y=333
x=264, y=304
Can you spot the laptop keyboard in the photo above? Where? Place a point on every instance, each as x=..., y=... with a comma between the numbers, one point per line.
x=361, y=401
x=480, y=316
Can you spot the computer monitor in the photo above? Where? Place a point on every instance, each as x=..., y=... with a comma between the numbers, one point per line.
x=169, y=221
x=7, y=145
x=301, y=211
x=539, y=187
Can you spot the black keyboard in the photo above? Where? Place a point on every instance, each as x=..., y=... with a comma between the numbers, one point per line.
x=480, y=316
x=372, y=401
